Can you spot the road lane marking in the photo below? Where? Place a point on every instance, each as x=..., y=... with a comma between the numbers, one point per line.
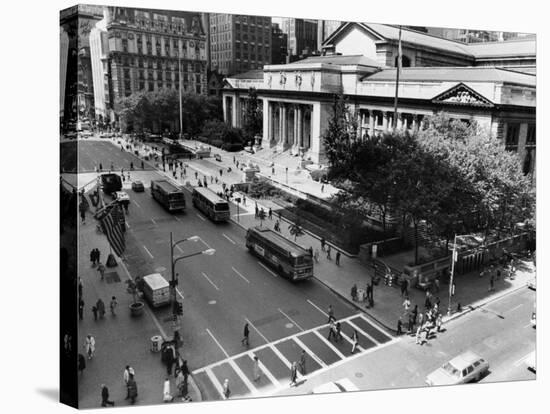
x=179, y=248
x=227, y=237
x=267, y=268
x=207, y=278
x=236, y=271
x=176, y=217
x=281, y=356
x=363, y=332
x=203, y=242
x=515, y=307
x=290, y=319
x=256, y=329
x=214, y=380
x=154, y=222
x=127, y=225
x=136, y=203
x=318, y=308
x=201, y=217
x=217, y=343
x=329, y=344
x=372, y=323
x=243, y=377
x=310, y=352
x=179, y=293
x=522, y=359
x=148, y=252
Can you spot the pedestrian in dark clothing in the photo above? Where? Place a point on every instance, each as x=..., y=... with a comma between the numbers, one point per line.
x=310, y=250
x=323, y=244
x=92, y=257
x=293, y=374
x=337, y=259
x=169, y=357
x=226, y=390
x=492, y=283
x=105, y=396
x=270, y=213
x=100, y=166
x=354, y=292
x=404, y=288
x=328, y=252
x=338, y=328
x=80, y=309
x=81, y=363
x=415, y=312
x=399, y=326
x=427, y=303
x=331, y=329
x=303, y=362
x=221, y=172
x=142, y=165
x=410, y=328
x=132, y=389
x=100, y=308
x=80, y=287
x=246, y=333
x=94, y=311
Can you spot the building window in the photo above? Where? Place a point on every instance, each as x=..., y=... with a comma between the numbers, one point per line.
x=531, y=135
x=198, y=89
x=512, y=136
x=125, y=45
x=151, y=87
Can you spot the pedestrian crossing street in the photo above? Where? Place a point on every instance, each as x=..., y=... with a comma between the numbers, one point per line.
x=275, y=359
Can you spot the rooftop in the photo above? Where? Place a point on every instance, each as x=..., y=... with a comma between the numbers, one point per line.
x=251, y=74
x=341, y=60
x=509, y=48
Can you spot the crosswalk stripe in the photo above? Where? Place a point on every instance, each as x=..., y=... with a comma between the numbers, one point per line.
x=310, y=352
x=243, y=377
x=214, y=380
x=363, y=332
x=347, y=338
x=256, y=329
x=326, y=341
x=281, y=356
x=376, y=326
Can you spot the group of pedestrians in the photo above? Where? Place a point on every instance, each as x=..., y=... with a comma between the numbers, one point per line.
x=417, y=322
x=130, y=385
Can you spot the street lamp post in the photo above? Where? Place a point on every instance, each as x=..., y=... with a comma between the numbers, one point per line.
x=174, y=280
x=451, y=280
x=179, y=93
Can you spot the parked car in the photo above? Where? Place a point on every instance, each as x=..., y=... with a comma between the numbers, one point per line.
x=138, y=186
x=122, y=197
x=459, y=370
x=341, y=385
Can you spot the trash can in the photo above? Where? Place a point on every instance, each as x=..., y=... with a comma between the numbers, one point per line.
x=155, y=343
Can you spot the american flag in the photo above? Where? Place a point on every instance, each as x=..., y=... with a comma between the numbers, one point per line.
x=113, y=225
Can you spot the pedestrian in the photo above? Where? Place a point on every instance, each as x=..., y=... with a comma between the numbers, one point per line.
x=302, y=362
x=127, y=372
x=310, y=250
x=97, y=255
x=132, y=389
x=89, y=345
x=338, y=335
x=131, y=165
x=123, y=178
x=418, y=335
x=170, y=358
x=181, y=386
x=323, y=244
x=354, y=292
x=105, y=393
x=92, y=257
x=354, y=340
x=244, y=200
x=420, y=319
x=211, y=179
x=322, y=188
x=226, y=390
x=415, y=312
x=113, y=305
x=81, y=363
x=331, y=329
x=293, y=374
x=406, y=304
x=256, y=369
x=410, y=328
x=80, y=287
x=404, y=288
x=100, y=308
x=427, y=302
x=100, y=166
x=272, y=170
x=436, y=284
x=142, y=165
x=328, y=252
x=491, y=283
x=166, y=394
x=337, y=259
x=270, y=214
x=246, y=333
x=439, y=322
x=330, y=313
x=399, y=326
x=196, y=175
x=221, y=172
x=101, y=270
x=498, y=273
x=316, y=255
x=80, y=309
x=94, y=311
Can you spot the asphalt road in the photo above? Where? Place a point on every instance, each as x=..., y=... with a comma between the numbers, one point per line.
x=500, y=332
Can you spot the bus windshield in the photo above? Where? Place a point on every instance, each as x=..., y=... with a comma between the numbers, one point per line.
x=221, y=207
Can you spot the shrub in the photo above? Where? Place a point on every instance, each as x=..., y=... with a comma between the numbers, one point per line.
x=232, y=147
x=216, y=143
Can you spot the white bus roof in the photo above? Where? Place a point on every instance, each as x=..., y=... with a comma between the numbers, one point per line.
x=156, y=281
x=167, y=186
x=210, y=195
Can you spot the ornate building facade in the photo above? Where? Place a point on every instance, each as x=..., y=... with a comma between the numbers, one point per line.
x=148, y=49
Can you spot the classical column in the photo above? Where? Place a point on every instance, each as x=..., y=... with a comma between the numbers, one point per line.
x=284, y=134
x=414, y=122
x=400, y=121
x=300, y=137
x=281, y=124
x=385, y=119
x=373, y=121
x=295, y=142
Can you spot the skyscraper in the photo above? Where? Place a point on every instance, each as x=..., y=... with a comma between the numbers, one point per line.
x=302, y=36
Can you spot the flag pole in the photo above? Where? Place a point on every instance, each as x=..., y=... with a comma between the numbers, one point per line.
x=394, y=123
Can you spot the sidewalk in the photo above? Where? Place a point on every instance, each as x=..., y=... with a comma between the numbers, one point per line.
x=120, y=340
x=388, y=303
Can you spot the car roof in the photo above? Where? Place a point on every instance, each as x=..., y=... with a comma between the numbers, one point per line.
x=463, y=360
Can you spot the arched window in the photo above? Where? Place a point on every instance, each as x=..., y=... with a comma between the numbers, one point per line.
x=405, y=61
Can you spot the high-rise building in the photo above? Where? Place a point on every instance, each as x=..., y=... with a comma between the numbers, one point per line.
x=302, y=36
x=324, y=29
x=99, y=52
x=279, y=41
x=470, y=36
x=76, y=94
x=149, y=48
x=239, y=43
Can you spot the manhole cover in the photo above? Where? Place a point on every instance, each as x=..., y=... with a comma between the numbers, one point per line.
x=289, y=325
x=112, y=277
x=359, y=375
x=212, y=302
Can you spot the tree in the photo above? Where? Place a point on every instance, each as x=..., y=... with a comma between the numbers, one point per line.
x=253, y=117
x=296, y=229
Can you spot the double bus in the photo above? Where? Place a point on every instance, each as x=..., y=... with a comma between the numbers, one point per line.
x=288, y=258
x=215, y=207
x=169, y=195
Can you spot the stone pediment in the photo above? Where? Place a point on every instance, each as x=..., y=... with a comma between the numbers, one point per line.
x=462, y=95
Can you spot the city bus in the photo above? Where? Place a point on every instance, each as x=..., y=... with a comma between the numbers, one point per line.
x=169, y=195
x=288, y=258
x=215, y=207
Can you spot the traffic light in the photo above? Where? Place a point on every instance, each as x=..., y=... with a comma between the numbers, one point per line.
x=178, y=308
